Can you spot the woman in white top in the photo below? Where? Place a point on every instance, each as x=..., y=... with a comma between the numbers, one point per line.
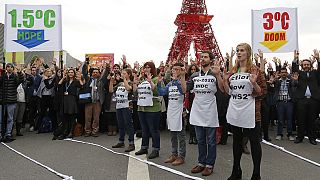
x=123, y=91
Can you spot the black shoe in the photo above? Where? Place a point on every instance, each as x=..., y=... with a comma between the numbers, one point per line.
x=312, y=141
x=61, y=137
x=236, y=173
x=139, y=134
x=223, y=143
x=195, y=141
x=8, y=139
x=119, y=145
x=268, y=139
x=70, y=136
x=54, y=138
x=298, y=140
x=191, y=141
x=153, y=154
x=255, y=177
x=19, y=134
x=141, y=151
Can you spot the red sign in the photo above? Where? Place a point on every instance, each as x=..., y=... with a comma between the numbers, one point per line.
x=100, y=59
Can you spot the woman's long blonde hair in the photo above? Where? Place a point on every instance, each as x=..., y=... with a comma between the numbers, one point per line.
x=248, y=49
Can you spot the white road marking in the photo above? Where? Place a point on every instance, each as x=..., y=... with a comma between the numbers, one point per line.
x=137, y=169
x=138, y=159
x=291, y=153
x=65, y=177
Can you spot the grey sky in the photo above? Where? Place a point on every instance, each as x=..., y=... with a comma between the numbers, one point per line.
x=144, y=29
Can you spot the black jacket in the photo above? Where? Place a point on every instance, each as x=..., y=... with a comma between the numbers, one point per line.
x=277, y=85
x=10, y=83
x=313, y=81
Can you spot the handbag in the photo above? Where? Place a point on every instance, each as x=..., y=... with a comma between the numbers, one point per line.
x=85, y=96
x=78, y=130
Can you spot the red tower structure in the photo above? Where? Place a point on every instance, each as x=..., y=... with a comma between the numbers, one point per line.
x=193, y=26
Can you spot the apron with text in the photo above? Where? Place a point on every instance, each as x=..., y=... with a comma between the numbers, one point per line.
x=204, y=108
x=145, y=94
x=175, y=109
x=122, y=97
x=241, y=110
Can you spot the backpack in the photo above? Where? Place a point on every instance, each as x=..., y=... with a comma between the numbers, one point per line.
x=45, y=125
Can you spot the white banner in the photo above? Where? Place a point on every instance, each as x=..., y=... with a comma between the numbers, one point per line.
x=33, y=28
x=275, y=30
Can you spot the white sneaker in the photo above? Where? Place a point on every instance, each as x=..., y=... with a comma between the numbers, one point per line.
x=279, y=137
x=291, y=138
x=31, y=129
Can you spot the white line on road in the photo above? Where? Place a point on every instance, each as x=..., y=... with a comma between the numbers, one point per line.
x=138, y=159
x=137, y=169
x=65, y=177
x=291, y=153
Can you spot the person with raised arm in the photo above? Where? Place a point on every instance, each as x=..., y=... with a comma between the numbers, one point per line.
x=148, y=109
x=175, y=90
x=204, y=113
x=307, y=95
x=245, y=84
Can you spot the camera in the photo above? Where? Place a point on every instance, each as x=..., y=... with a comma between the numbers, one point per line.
x=87, y=60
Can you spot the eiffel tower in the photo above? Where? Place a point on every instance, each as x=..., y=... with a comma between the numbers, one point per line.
x=193, y=26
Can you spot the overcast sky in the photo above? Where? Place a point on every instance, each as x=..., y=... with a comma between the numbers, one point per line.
x=144, y=29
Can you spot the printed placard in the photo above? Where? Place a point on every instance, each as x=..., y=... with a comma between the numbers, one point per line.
x=33, y=28
x=275, y=30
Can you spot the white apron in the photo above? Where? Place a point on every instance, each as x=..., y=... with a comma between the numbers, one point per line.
x=145, y=94
x=122, y=97
x=204, y=108
x=241, y=110
x=175, y=109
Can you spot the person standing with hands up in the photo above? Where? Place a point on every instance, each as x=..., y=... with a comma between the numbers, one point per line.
x=148, y=109
x=245, y=84
x=204, y=113
x=175, y=89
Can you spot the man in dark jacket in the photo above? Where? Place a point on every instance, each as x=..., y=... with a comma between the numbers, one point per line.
x=33, y=103
x=9, y=82
x=284, y=96
x=307, y=95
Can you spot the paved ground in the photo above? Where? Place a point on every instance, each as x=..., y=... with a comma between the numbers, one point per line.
x=85, y=162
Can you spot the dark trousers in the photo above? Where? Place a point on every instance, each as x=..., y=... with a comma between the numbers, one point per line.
x=265, y=118
x=135, y=117
x=68, y=124
x=125, y=123
x=307, y=114
x=192, y=131
x=46, y=108
x=285, y=111
x=256, y=152
x=33, y=106
x=224, y=126
x=150, y=123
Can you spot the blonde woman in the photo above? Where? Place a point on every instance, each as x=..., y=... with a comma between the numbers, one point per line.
x=245, y=84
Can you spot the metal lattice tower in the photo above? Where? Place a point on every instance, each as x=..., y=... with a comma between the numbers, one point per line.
x=193, y=25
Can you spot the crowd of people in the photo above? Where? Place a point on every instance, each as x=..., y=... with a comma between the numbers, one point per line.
x=209, y=98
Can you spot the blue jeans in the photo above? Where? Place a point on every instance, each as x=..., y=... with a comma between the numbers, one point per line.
x=125, y=122
x=150, y=124
x=207, y=150
x=178, y=142
x=285, y=110
x=9, y=110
